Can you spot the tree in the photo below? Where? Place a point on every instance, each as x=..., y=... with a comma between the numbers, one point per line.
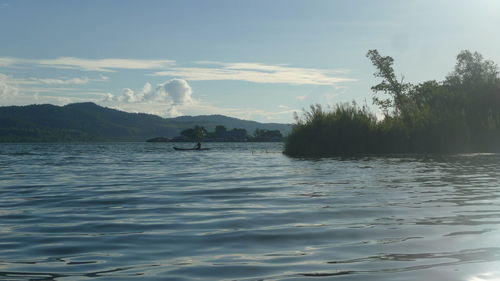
x=188, y=133
x=267, y=134
x=471, y=68
x=475, y=82
x=197, y=133
x=397, y=90
x=200, y=132
x=220, y=131
x=237, y=134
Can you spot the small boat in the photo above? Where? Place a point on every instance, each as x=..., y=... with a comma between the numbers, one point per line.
x=183, y=149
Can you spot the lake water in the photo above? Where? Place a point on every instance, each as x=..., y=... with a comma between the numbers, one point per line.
x=142, y=211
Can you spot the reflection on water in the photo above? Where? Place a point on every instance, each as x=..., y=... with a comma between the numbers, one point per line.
x=244, y=212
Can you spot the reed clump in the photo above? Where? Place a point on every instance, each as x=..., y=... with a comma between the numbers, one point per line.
x=343, y=129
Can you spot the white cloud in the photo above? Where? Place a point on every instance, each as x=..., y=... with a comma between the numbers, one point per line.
x=61, y=90
x=145, y=92
x=74, y=81
x=176, y=91
x=175, y=97
x=103, y=78
x=172, y=94
x=172, y=112
x=6, y=61
x=103, y=65
x=108, y=97
x=129, y=96
x=7, y=90
x=60, y=81
x=209, y=70
x=257, y=73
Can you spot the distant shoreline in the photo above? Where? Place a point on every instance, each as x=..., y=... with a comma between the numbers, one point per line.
x=87, y=121
x=162, y=140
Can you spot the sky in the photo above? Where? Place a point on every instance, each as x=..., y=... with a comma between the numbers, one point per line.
x=260, y=60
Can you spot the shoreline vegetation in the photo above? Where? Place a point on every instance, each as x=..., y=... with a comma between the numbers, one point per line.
x=459, y=114
x=221, y=134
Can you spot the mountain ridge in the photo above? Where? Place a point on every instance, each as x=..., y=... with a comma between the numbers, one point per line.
x=88, y=121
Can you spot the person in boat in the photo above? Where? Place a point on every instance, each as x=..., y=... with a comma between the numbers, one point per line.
x=198, y=146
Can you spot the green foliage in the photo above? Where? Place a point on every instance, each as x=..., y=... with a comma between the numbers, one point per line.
x=221, y=134
x=459, y=114
x=197, y=133
x=220, y=131
x=345, y=129
x=263, y=134
x=397, y=90
x=472, y=69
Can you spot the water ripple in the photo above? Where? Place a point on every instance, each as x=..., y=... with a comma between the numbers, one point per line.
x=244, y=212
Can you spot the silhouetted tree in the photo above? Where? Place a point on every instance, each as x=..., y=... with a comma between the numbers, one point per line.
x=220, y=131
x=263, y=134
x=197, y=133
x=397, y=90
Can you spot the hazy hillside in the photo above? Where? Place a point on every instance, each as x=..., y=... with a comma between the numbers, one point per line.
x=90, y=122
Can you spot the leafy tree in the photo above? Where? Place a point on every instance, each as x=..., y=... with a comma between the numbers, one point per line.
x=220, y=131
x=200, y=132
x=472, y=68
x=197, y=133
x=237, y=134
x=267, y=134
x=188, y=133
x=397, y=90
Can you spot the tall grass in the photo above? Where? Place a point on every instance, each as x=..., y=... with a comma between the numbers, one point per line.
x=348, y=129
x=343, y=129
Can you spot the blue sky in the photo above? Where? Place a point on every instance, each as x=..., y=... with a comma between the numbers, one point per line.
x=259, y=60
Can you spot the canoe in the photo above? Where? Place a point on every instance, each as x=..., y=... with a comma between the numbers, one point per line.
x=180, y=148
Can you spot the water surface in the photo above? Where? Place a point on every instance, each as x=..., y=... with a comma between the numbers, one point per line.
x=122, y=211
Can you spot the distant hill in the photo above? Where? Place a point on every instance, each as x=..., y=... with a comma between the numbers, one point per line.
x=91, y=122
